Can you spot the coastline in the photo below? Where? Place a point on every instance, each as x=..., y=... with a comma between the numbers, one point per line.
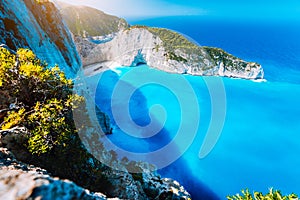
x=96, y=68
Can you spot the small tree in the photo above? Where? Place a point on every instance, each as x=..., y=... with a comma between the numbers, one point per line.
x=36, y=98
x=272, y=195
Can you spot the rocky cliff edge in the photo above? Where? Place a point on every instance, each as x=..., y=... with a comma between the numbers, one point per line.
x=164, y=50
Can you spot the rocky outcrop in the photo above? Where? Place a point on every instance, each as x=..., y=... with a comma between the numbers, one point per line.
x=22, y=181
x=164, y=50
x=75, y=164
x=38, y=25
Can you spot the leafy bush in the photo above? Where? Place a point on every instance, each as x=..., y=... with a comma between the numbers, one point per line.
x=272, y=195
x=36, y=98
x=39, y=100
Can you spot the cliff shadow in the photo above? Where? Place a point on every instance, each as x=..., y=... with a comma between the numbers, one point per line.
x=178, y=170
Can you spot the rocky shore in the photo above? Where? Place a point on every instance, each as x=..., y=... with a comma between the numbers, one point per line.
x=23, y=175
x=22, y=181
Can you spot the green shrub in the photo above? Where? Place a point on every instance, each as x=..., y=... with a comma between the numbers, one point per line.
x=38, y=98
x=272, y=195
x=172, y=41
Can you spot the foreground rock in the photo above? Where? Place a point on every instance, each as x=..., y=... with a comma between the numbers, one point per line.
x=21, y=181
x=75, y=164
x=164, y=50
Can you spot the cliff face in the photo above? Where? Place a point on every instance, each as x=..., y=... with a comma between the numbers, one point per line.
x=38, y=26
x=164, y=50
x=103, y=41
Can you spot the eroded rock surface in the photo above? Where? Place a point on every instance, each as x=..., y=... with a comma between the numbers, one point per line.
x=21, y=181
x=164, y=50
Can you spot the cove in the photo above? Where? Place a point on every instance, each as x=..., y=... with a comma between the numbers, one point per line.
x=258, y=146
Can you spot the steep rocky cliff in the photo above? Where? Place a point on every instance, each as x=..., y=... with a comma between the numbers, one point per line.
x=165, y=50
x=38, y=25
x=106, y=41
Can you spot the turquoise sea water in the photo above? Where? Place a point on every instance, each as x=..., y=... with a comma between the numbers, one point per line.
x=259, y=144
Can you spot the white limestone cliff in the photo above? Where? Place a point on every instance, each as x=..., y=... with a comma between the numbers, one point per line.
x=136, y=46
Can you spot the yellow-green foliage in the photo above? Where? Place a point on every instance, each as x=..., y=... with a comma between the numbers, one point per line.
x=272, y=195
x=40, y=99
x=173, y=40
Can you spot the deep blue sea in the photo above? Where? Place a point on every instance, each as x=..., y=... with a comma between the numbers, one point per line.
x=276, y=45
x=258, y=122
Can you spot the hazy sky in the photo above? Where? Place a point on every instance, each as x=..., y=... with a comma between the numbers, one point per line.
x=274, y=9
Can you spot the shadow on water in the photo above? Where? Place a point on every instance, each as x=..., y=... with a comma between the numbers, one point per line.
x=178, y=170
x=181, y=172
